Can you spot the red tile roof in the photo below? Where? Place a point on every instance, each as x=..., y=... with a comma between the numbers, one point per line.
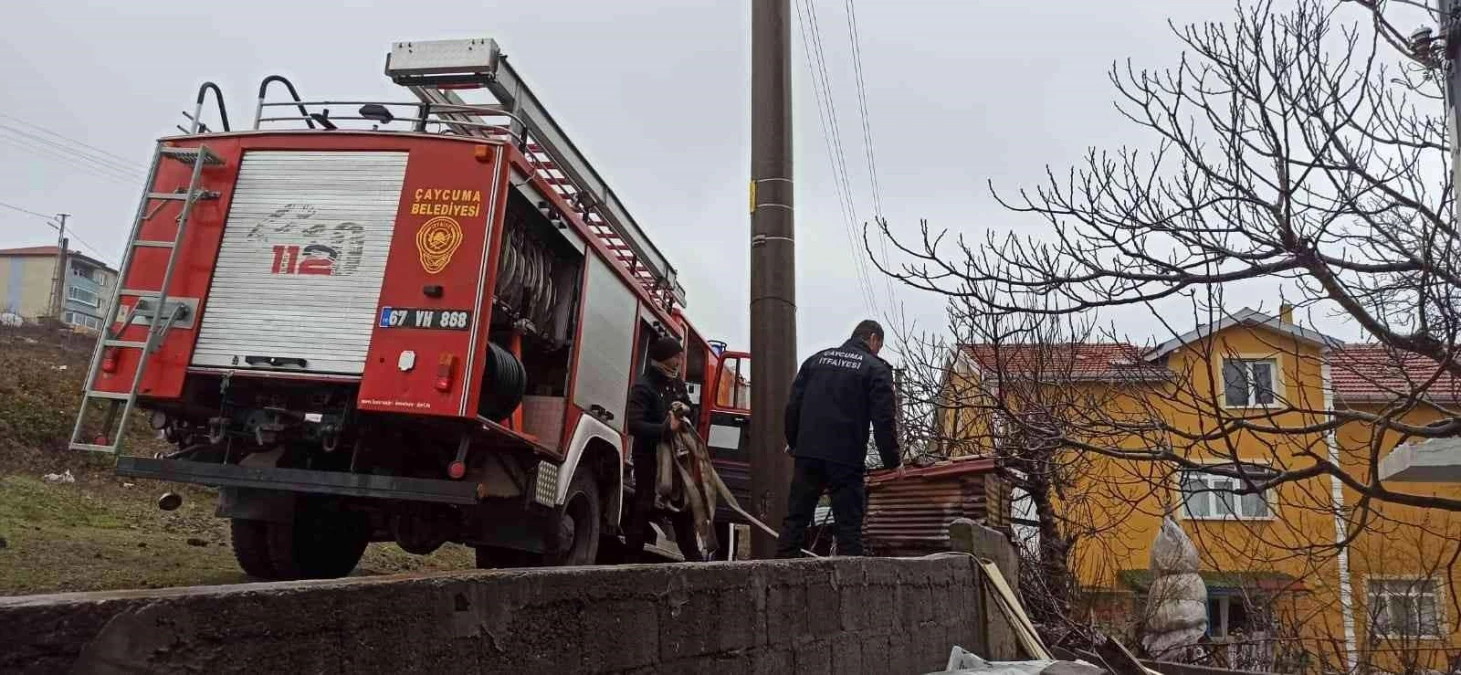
x=30, y=250
x=1090, y=360
x=49, y=251
x=1367, y=372
x=1358, y=372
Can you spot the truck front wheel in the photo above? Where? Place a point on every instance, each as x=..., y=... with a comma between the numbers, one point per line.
x=574, y=530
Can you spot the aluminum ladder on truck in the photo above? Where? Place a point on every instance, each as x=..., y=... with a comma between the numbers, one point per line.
x=431, y=69
x=119, y=404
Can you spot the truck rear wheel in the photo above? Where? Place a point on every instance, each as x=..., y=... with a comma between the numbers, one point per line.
x=494, y=557
x=317, y=544
x=251, y=547
x=576, y=526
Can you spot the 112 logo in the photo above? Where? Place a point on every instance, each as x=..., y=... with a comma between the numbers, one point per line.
x=313, y=259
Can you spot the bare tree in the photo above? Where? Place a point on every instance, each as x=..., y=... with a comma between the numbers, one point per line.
x=1288, y=145
x=1304, y=148
x=1009, y=388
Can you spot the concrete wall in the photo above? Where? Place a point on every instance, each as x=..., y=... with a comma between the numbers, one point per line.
x=846, y=616
x=26, y=283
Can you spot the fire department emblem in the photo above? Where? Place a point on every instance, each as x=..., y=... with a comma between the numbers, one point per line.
x=436, y=241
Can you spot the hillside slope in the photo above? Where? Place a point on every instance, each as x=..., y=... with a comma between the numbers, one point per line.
x=102, y=532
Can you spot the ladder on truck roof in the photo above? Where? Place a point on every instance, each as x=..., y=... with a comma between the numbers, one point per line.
x=153, y=306
x=431, y=69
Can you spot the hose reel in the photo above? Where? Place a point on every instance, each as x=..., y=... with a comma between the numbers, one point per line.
x=505, y=382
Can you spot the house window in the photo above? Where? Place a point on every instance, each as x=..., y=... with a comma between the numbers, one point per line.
x=1227, y=616
x=1208, y=495
x=79, y=319
x=1249, y=382
x=83, y=296
x=1405, y=608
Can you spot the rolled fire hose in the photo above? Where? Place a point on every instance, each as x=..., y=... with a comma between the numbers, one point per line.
x=721, y=489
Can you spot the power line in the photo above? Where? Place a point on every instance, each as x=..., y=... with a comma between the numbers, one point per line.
x=867, y=134
x=104, y=162
x=67, y=161
x=831, y=136
x=28, y=212
x=132, y=163
x=100, y=256
x=109, y=166
x=855, y=39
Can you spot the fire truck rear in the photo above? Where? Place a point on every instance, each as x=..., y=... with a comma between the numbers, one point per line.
x=411, y=322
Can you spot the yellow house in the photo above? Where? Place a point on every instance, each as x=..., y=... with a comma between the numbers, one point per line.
x=1303, y=575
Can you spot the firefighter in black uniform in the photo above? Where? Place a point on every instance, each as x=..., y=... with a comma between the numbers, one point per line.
x=838, y=393
x=649, y=422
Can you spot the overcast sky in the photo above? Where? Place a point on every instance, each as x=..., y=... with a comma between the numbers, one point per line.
x=656, y=92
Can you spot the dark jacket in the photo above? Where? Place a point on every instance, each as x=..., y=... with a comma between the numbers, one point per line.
x=837, y=395
x=649, y=408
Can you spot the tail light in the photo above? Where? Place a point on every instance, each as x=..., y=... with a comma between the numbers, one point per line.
x=444, y=371
x=109, y=360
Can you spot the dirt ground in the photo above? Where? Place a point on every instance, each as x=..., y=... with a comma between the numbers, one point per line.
x=102, y=532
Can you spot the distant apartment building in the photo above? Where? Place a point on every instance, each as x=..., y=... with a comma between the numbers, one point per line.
x=27, y=282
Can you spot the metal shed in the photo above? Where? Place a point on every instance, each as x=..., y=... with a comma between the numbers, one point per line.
x=909, y=515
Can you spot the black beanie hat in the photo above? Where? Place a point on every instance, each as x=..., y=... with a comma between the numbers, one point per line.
x=664, y=348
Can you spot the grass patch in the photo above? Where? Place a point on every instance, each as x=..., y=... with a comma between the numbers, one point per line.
x=92, y=536
x=97, y=535
x=101, y=532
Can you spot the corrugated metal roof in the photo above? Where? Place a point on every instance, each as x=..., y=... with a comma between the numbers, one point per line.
x=948, y=467
x=910, y=514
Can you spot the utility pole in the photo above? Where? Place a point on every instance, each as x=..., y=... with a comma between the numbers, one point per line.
x=58, y=281
x=1450, y=25
x=773, y=264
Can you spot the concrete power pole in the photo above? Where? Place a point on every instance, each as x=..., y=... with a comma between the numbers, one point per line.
x=1451, y=40
x=58, y=280
x=773, y=263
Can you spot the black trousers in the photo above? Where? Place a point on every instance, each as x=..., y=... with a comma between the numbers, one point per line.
x=811, y=478
x=636, y=532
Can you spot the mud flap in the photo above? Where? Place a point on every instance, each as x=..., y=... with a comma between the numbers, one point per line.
x=252, y=504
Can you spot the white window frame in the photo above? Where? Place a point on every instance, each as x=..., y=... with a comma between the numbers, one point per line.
x=1375, y=592
x=1212, y=490
x=1274, y=377
x=71, y=292
x=1217, y=624
x=80, y=319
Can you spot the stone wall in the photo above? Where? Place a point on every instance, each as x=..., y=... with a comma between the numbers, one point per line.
x=844, y=616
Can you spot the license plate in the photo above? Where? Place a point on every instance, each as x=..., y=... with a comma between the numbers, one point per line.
x=435, y=319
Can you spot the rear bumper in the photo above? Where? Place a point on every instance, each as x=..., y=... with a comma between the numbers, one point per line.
x=300, y=480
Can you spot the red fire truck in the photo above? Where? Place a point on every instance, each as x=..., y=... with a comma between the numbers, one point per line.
x=412, y=322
